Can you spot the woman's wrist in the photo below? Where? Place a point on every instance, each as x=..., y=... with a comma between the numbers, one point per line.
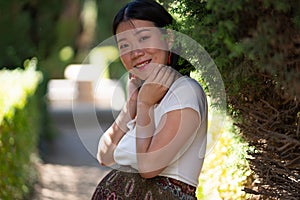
x=126, y=115
x=144, y=104
x=130, y=108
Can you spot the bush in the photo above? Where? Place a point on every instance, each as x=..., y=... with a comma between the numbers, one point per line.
x=226, y=170
x=255, y=45
x=19, y=129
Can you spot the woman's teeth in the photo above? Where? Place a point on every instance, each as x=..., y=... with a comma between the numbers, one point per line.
x=142, y=64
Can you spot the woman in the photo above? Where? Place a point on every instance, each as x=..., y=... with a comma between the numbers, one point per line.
x=161, y=131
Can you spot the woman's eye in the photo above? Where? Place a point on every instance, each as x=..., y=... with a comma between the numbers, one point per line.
x=123, y=46
x=144, y=38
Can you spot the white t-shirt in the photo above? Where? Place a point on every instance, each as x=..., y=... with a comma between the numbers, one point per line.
x=186, y=166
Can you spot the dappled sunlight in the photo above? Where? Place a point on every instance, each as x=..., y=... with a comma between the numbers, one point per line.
x=216, y=126
x=225, y=170
x=21, y=83
x=66, y=53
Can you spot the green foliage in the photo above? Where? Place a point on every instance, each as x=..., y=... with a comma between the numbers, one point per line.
x=245, y=38
x=36, y=28
x=19, y=129
x=106, y=14
x=26, y=23
x=225, y=171
x=16, y=86
x=255, y=45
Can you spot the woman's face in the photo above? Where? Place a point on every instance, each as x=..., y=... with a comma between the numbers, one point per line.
x=142, y=47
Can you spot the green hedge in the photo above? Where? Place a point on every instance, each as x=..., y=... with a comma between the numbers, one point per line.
x=19, y=129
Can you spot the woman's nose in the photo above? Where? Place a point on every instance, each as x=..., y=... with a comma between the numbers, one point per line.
x=137, y=52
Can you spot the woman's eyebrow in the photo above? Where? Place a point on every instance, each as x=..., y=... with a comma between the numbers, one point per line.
x=141, y=30
x=120, y=40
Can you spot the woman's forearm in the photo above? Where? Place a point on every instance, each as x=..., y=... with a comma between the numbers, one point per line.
x=145, y=127
x=110, y=139
x=148, y=164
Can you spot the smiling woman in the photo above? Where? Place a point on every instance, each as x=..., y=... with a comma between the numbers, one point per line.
x=141, y=43
x=161, y=131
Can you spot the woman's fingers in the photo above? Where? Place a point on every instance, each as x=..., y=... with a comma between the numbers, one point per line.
x=156, y=74
x=166, y=76
x=161, y=74
x=157, y=84
x=172, y=75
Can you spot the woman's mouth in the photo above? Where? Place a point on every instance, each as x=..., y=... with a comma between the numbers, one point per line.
x=142, y=65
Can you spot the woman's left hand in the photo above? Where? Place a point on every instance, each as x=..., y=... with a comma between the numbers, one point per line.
x=157, y=84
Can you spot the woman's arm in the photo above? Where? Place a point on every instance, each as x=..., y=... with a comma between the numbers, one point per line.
x=157, y=147
x=110, y=139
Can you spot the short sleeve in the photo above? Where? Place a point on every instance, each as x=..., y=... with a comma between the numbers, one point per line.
x=186, y=93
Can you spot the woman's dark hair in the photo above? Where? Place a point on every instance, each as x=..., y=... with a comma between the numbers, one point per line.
x=152, y=11
x=148, y=10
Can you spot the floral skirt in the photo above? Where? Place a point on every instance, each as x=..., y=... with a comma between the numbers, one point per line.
x=118, y=185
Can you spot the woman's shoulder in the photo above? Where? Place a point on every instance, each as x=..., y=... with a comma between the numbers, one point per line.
x=186, y=90
x=186, y=83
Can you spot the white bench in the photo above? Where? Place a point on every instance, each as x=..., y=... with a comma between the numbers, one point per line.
x=85, y=83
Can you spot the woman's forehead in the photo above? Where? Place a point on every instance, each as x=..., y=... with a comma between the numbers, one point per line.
x=128, y=30
x=134, y=25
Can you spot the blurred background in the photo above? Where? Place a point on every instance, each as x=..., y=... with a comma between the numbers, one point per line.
x=57, y=33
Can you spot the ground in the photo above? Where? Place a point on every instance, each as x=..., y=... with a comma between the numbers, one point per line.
x=68, y=170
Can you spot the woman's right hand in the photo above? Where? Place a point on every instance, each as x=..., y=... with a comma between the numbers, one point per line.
x=157, y=84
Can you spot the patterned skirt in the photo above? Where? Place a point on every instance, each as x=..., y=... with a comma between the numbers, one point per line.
x=118, y=185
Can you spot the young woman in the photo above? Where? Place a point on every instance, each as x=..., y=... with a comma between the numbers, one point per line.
x=161, y=131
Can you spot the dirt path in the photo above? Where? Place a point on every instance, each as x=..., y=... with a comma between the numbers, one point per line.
x=61, y=182
x=69, y=171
